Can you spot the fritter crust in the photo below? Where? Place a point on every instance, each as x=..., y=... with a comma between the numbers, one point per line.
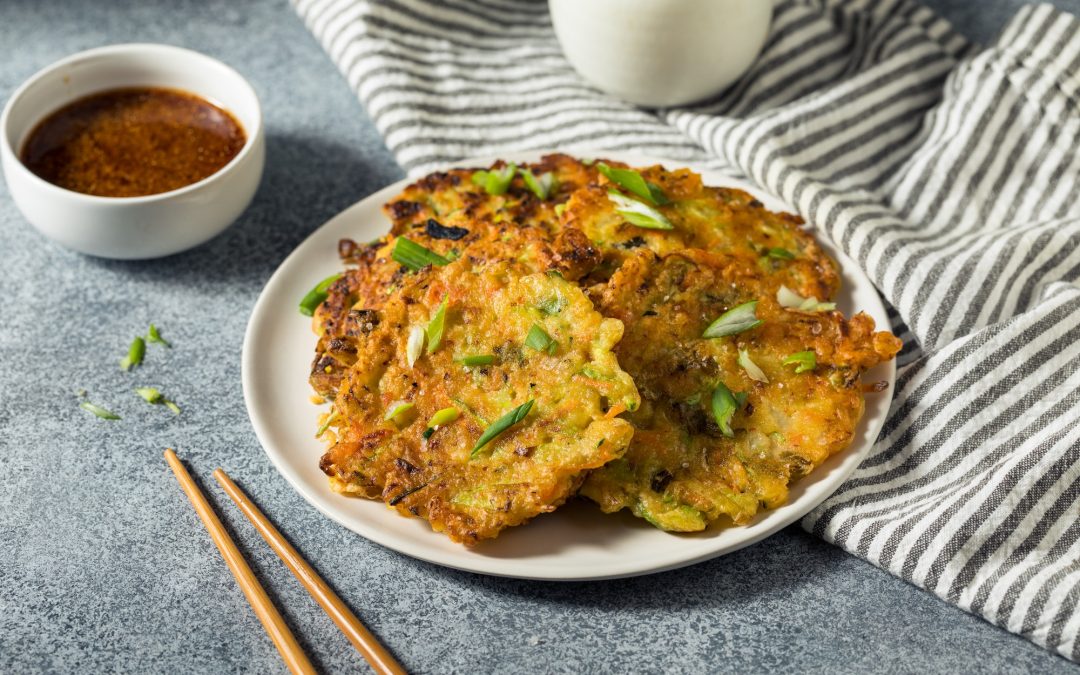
x=719, y=220
x=681, y=472
x=533, y=466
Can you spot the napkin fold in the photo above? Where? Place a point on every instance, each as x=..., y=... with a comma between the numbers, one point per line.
x=950, y=173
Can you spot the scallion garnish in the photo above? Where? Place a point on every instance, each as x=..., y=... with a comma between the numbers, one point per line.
x=415, y=345
x=633, y=181
x=751, y=368
x=478, y=360
x=735, y=320
x=552, y=304
x=541, y=186
x=559, y=208
x=330, y=419
x=99, y=411
x=803, y=361
x=639, y=213
x=792, y=300
x=135, y=354
x=436, y=326
x=495, y=181
x=149, y=394
x=539, y=340
x=414, y=256
x=441, y=417
x=153, y=396
x=317, y=295
x=724, y=405
x=780, y=254
x=502, y=424
x=398, y=409
x=152, y=335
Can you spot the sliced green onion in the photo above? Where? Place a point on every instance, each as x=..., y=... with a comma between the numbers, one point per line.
x=436, y=326
x=398, y=409
x=153, y=396
x=552, y=304
x=780, y=254
x=735, y=320
x=414, y=256
x=315, y=296
x=639, y=213
x=502, y=424
x=326, y=424
x=539, y=340
x=724, y=405
x=149, y=394
x=496, y=181
x=751, y=368
x=792, y=300
x=441, y=417
x=478, y=360
x=135, y=354
x=415, y=345
x=633, y=181
x=99, y=411
x=541, y=186
x=559, y=208
x=803, y=361
x=153, y=335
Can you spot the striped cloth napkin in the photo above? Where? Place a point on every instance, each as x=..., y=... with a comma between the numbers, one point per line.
x=951, y=174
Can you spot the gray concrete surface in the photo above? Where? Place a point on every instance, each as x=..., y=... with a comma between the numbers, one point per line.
x=103, y=565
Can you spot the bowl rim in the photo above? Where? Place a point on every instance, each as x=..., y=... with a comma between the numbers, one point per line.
x=130, y=50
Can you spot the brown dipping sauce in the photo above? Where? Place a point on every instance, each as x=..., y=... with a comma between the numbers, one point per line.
x=133, y=142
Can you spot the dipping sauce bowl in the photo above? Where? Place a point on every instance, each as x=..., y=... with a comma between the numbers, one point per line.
x=147, y=226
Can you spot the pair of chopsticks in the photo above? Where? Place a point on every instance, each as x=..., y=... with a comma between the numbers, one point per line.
x=292, y=653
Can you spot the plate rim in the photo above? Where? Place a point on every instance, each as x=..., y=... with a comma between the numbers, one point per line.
x=844, y=462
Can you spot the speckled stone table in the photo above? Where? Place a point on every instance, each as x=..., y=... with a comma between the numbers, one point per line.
x=103, y=565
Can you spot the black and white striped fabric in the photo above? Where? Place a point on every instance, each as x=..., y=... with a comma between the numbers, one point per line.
x=951, y=174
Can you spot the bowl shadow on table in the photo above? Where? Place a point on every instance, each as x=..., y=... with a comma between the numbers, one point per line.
x=307, y=180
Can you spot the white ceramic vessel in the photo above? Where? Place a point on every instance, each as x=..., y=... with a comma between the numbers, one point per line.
x=661, y=53
x=133, y=227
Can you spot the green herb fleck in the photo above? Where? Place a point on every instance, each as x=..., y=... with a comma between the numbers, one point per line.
x=477, y=360
x=735, y=320
x=780, y=254
x=631, y=180
x=99, y=411
x=154, y=336
x=436, y=326
x=414, y=256
x=539, y=340
x=541, y=186
x=552, y=304
x=639, y=213
x=309, y=303
x=803, y=361
x=135, y=354
x=502, y=424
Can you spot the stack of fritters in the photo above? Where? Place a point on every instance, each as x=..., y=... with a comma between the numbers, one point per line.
x=489, y=386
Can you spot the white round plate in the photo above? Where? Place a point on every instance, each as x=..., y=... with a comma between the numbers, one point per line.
x=575, y=542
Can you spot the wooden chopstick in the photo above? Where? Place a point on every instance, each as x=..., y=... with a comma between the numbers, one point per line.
x=291, y=651
x=381, y=660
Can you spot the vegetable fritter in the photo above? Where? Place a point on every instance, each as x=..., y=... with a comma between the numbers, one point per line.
x=410, y=416
x=719, y=220
x=726, y=423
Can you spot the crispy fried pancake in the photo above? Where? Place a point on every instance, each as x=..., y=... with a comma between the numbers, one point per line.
x=719, y=220
x=530, y=468
x=681, y=472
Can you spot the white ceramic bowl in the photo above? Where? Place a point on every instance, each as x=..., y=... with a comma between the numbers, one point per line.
x=133, y=227
x=661, y=53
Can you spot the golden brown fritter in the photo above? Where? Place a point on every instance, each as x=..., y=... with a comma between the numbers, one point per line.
x=452, y=197
x=493, y=313
x=719, y=220
x=681, y=471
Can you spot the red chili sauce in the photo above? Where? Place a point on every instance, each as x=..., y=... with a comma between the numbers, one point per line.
x=133, y=142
